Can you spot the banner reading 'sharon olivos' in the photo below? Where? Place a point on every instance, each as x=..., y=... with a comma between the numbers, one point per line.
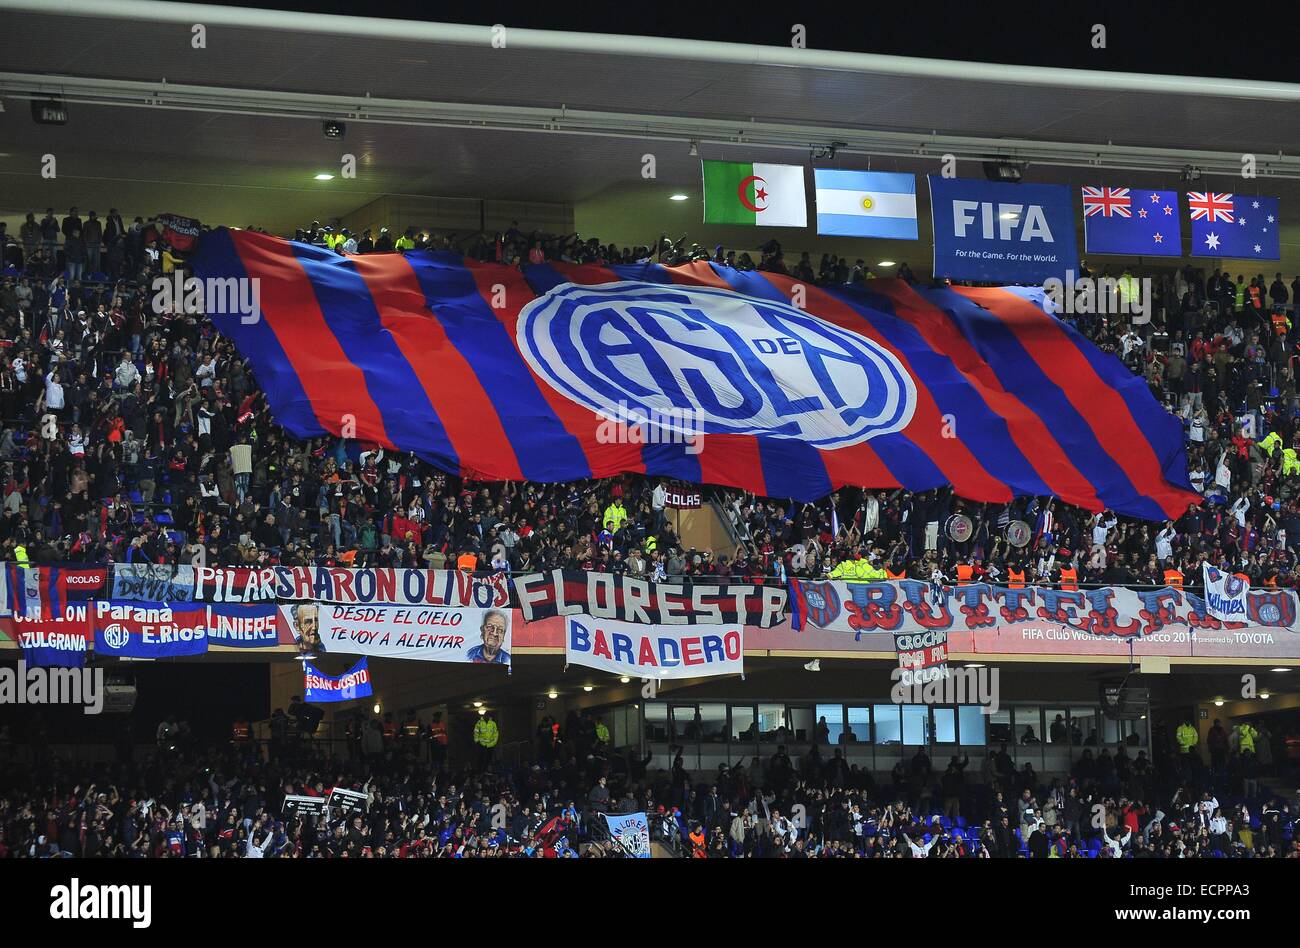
x=1084, y=621
x=148, y=582
x=651, y=651
x=423, y=633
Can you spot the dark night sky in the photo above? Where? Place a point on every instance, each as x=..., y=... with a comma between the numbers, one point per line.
x=1155, y=38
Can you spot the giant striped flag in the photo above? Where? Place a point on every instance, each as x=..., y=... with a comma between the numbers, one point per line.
x=563, y=371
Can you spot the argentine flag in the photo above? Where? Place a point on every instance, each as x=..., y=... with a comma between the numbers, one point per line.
x=866, y=204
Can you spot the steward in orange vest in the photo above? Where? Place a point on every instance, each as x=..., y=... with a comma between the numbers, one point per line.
x=1015, y=578
x=1174, y=578
x=1069, y=578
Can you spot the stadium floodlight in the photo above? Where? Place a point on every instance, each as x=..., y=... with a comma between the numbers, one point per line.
x=49, y=112
x=333, y=129
x=1007, y=171
x=680, y=197
x=324, y=176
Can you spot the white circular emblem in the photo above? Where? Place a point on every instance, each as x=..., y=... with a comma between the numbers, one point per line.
x=115, y=636
x=697, y=359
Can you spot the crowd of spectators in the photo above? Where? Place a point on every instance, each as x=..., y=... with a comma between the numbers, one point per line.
x=132, y=434
x=194, y=799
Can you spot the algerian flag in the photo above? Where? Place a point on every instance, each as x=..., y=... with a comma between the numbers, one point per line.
x=738, y=192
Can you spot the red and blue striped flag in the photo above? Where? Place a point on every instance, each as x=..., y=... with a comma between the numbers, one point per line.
x=500, y=373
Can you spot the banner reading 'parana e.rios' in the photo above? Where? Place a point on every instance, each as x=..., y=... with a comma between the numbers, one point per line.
x=423, y=633
x=654, y=651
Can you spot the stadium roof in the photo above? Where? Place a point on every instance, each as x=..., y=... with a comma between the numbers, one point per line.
x=435, y=109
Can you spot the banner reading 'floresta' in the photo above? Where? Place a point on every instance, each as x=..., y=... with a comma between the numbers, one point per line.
x=609, y=596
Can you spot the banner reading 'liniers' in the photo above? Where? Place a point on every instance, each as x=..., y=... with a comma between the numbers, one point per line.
x=1112, y=612
x=749, y=379
x=147, y=582
x=647, y=651
x=423, y=633
x=608, y=596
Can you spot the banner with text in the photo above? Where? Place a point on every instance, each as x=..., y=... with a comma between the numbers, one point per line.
x=996, y=232
x=982, y=610
x=632, y=833
x=150, y=582
x=423, y=633
x=608, y=596
x=144, y=630
x=648, y=651
x=319, y=688
x=243, y=625
x=1225, y=594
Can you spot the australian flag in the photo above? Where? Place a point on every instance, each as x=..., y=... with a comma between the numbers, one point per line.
x=1132, y=221
x=1241, y=226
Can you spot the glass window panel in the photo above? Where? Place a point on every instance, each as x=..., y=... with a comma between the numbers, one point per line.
x=1083, y=727
x=999, y=726
x=1029, y=726
x=889, y=726
x=945, y=726
x=713, y=719
x=744, y=728
x=830, y=724
x=916, y=725
x=771, y=724
x=970, y=719
x=801, y=721
x=1110, y=730
x=656, y=722
x=1058, y=726
x=859, y=729
x=686, y=723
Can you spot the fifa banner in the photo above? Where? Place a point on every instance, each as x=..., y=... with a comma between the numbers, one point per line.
x=149, y=582
x=423, y=633
x=632, y=833
x=647, y=651
x=243, y=625
x=150, y=630
x=607, y=596
x=1109, y=613
x=796, y=390
x=1225, y=594
x=319, y=688
x=997, y=232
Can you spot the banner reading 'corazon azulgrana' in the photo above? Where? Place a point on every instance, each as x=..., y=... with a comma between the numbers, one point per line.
x=609, y=596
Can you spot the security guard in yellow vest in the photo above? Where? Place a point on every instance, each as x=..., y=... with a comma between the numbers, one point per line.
x=1246, y=734
x=1290, y=462
x=486, y=735
x=1270, y=442
x=20, y=555
x=1187, y=737
x=858, y=570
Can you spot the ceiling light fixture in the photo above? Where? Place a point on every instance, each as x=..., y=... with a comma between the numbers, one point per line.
x=324, y=176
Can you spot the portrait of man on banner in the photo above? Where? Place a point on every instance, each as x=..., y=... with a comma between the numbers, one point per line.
x=494, y=630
